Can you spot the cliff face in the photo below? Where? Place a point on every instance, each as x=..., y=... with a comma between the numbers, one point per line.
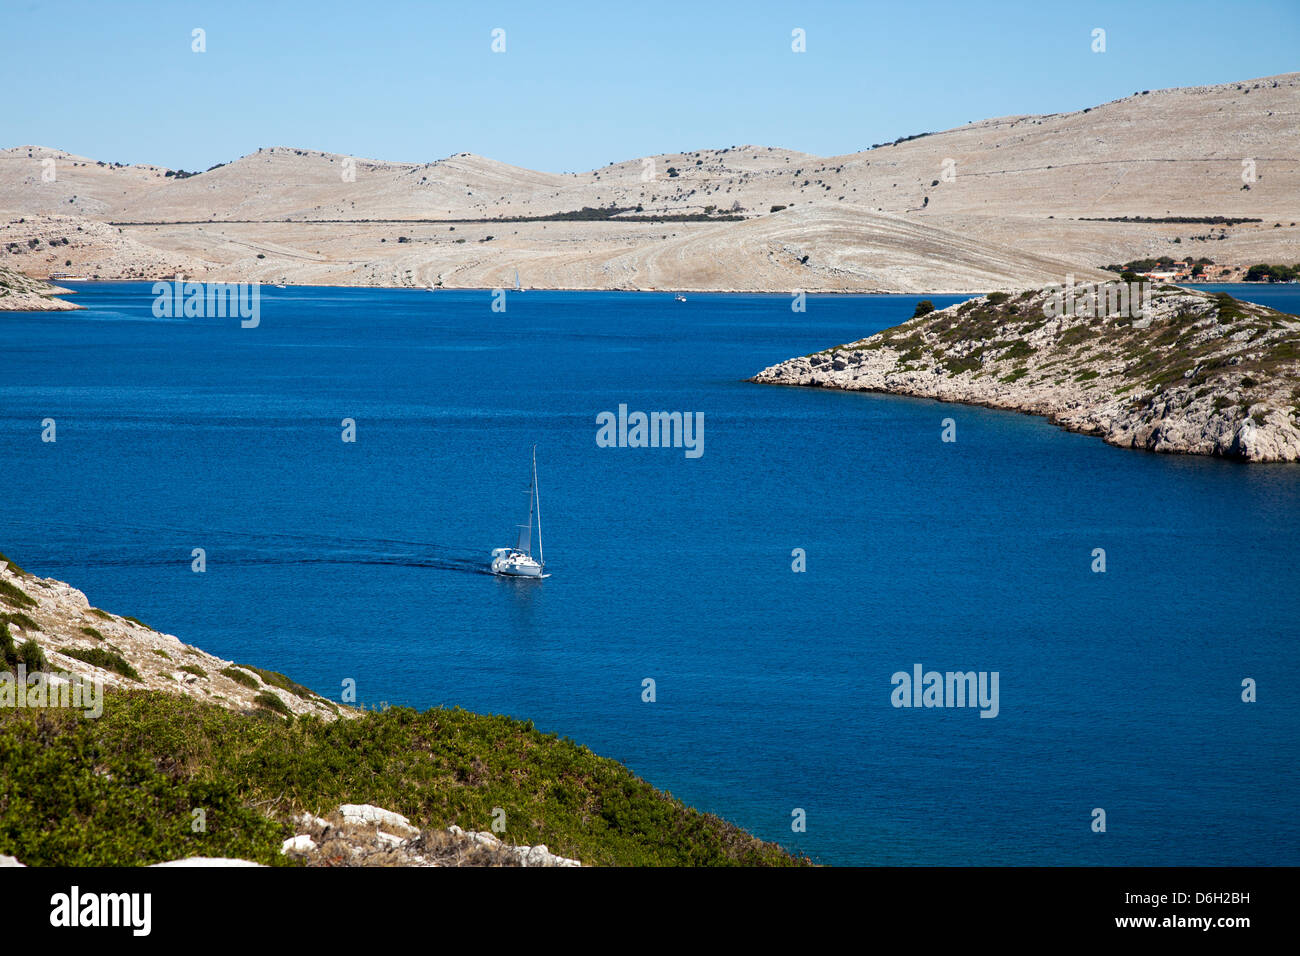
x=1174, y=370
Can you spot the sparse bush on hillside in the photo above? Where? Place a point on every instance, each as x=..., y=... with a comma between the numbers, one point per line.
x=272, y=702
x=15, y=596
x=108, y=660
x=241, y=677
x=22, y=620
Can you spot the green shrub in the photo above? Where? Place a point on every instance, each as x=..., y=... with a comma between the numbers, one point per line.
x=924, y=307
x=104, y=615
x=162, y=654
x=194, y=669
x=1015, y=350
x=958, y=365
x=32, y=657
x=15, y=596
x=276, y=679
x=997, y=298
x=242, y=677
x=91, y=632
x=13, y=567
x=99, y=657
x=8, y=653
x=22, y=620
x=272, y=702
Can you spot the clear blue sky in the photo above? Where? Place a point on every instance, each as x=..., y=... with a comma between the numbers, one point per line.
x=581, y=85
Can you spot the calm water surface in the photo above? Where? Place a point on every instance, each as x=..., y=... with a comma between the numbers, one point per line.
x=329, y=560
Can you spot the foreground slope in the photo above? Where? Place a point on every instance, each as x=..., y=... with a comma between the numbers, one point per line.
x=261, y=755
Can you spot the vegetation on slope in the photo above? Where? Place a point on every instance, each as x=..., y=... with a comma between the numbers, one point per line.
x=1198, y=373
x=121, y=789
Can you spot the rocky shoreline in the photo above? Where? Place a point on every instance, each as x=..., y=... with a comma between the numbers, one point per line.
x=21, y=293
x=86, y=642
x=1192, y=373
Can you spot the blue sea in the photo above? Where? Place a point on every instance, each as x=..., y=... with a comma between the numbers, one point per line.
x=330, y=560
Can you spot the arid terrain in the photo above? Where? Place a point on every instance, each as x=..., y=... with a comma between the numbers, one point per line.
x=1011, y=202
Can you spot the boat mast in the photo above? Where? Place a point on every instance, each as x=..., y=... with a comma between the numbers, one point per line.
x=541, y=557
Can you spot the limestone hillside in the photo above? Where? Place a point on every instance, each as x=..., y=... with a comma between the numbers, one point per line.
x=77, y=638
x=1198, y=373
x=1207, y=171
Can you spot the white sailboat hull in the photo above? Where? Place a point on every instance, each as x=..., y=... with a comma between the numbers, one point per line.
x=514, y=564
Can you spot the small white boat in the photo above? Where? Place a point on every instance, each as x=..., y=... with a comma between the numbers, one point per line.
x=680, y=298
x=518, y=562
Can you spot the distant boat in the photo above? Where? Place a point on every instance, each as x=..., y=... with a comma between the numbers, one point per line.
x=64, y=277
x=518, y=288
x=679, y=297
x=518, y=562
x=279, y=287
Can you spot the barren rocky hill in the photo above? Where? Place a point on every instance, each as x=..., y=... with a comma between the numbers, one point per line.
x=1035, y=191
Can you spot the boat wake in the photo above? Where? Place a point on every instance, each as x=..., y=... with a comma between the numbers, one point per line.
x=154, y=547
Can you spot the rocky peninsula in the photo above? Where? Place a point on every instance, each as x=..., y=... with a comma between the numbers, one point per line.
x=21, y=293
x=1164, y=369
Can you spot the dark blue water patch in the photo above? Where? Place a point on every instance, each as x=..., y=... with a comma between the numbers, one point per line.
x=328, y=560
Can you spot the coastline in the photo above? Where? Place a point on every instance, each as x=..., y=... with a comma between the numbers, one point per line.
x=1201, y=374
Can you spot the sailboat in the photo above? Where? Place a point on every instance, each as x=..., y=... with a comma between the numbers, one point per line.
x=517, y=286
x=518, y=562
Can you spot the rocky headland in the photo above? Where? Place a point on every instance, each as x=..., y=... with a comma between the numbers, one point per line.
x=1175, y=370
x=21, y=293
